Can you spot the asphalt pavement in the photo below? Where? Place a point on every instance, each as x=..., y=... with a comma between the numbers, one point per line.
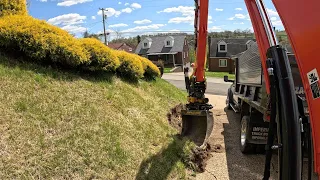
x=215, y=86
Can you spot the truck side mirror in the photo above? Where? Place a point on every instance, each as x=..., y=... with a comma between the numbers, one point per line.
x=226, y=79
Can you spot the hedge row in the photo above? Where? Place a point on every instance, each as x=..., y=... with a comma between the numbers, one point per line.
x=43, y=42
x=13, y=7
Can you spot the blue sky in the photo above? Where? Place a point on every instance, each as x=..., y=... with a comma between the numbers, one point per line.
x=133, y=17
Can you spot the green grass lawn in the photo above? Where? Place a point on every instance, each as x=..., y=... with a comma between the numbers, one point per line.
x=65, y=125
x=220, y=74
x=167, y=70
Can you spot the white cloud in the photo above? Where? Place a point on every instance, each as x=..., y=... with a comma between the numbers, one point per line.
x=67, y=19
x=93, y=17
x=184, y=10
x=210, y=22
x=239, y=23
x=126, y=10
x=143, y=28
x=119, y=2
x=110, y=12
x=240, y=16
x=43, y=0
x=272, y=12
x=215, y=28
x=72, y=2
x=135, y=5
x=126, y=4
x=174, y=30
x=144, y=21
x=74, y=29
x=118, y=25
x=178, y=20
x=277, y=23
x=238, y=9
x=217, y=9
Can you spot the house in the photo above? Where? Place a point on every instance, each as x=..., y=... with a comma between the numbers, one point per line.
x=172, y=50
x=221, y=52
x=121, y=46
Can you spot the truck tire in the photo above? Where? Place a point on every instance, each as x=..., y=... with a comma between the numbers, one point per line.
x=245, y=146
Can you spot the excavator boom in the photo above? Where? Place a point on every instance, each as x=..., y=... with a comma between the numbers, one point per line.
x=197, y=119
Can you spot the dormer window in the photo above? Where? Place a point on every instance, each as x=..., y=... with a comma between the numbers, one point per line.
x=169, y=41
x=222, y=46
x=146, y=43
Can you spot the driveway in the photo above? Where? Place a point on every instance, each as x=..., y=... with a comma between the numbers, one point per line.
x=215, y=86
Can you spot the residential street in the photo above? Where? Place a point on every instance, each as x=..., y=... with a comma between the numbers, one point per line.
x=215, y=86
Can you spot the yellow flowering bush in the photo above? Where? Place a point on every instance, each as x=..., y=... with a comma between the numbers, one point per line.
x=151, y=71
x=101, y=56
x=13, y=7
x=40, y=41
x=130, y=65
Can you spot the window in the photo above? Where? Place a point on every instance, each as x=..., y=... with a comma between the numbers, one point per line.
x=222, y=47
x=187, y=54
x=145, y=44
x=168, y=43
x=130, y=49
x=184, y=54
x=223, y=63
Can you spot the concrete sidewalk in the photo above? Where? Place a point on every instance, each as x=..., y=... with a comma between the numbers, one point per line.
x=180, y=76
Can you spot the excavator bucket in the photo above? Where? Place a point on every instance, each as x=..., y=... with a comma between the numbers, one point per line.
x=197, y=125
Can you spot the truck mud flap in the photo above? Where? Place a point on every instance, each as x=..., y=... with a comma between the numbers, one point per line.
x=197, y=126
x=258, y=133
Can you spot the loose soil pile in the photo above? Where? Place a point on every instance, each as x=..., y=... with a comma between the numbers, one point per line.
x=175, y=118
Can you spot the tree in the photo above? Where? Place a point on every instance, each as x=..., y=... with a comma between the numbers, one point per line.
x=86, y=34
x=138, y=39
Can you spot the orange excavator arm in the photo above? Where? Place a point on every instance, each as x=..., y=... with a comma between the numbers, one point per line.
x=201, y=26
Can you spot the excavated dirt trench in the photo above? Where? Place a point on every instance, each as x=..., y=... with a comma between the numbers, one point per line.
x=199, y=156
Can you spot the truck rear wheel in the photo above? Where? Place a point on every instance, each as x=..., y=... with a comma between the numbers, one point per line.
x=245, y=146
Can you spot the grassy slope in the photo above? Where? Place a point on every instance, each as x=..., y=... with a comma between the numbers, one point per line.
x=58, y=125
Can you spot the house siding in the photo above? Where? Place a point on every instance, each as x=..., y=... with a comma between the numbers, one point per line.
x=126, y=48
x=186, y=50
x=214, y=65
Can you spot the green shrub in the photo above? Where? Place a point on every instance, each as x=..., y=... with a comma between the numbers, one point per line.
x=151, y=71
x=40, y=41
x=101, y=56
x=130, y=66
x=13, y=7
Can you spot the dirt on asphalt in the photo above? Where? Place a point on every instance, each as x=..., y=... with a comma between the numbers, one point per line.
x=223, y=159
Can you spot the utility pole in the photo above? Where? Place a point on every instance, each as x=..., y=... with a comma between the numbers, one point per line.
x=104, y=25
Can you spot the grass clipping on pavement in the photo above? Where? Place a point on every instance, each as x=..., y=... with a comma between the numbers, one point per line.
x=63, y=125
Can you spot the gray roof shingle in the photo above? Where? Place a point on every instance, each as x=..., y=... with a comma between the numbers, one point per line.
x=157, y=45
x=234, y=46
